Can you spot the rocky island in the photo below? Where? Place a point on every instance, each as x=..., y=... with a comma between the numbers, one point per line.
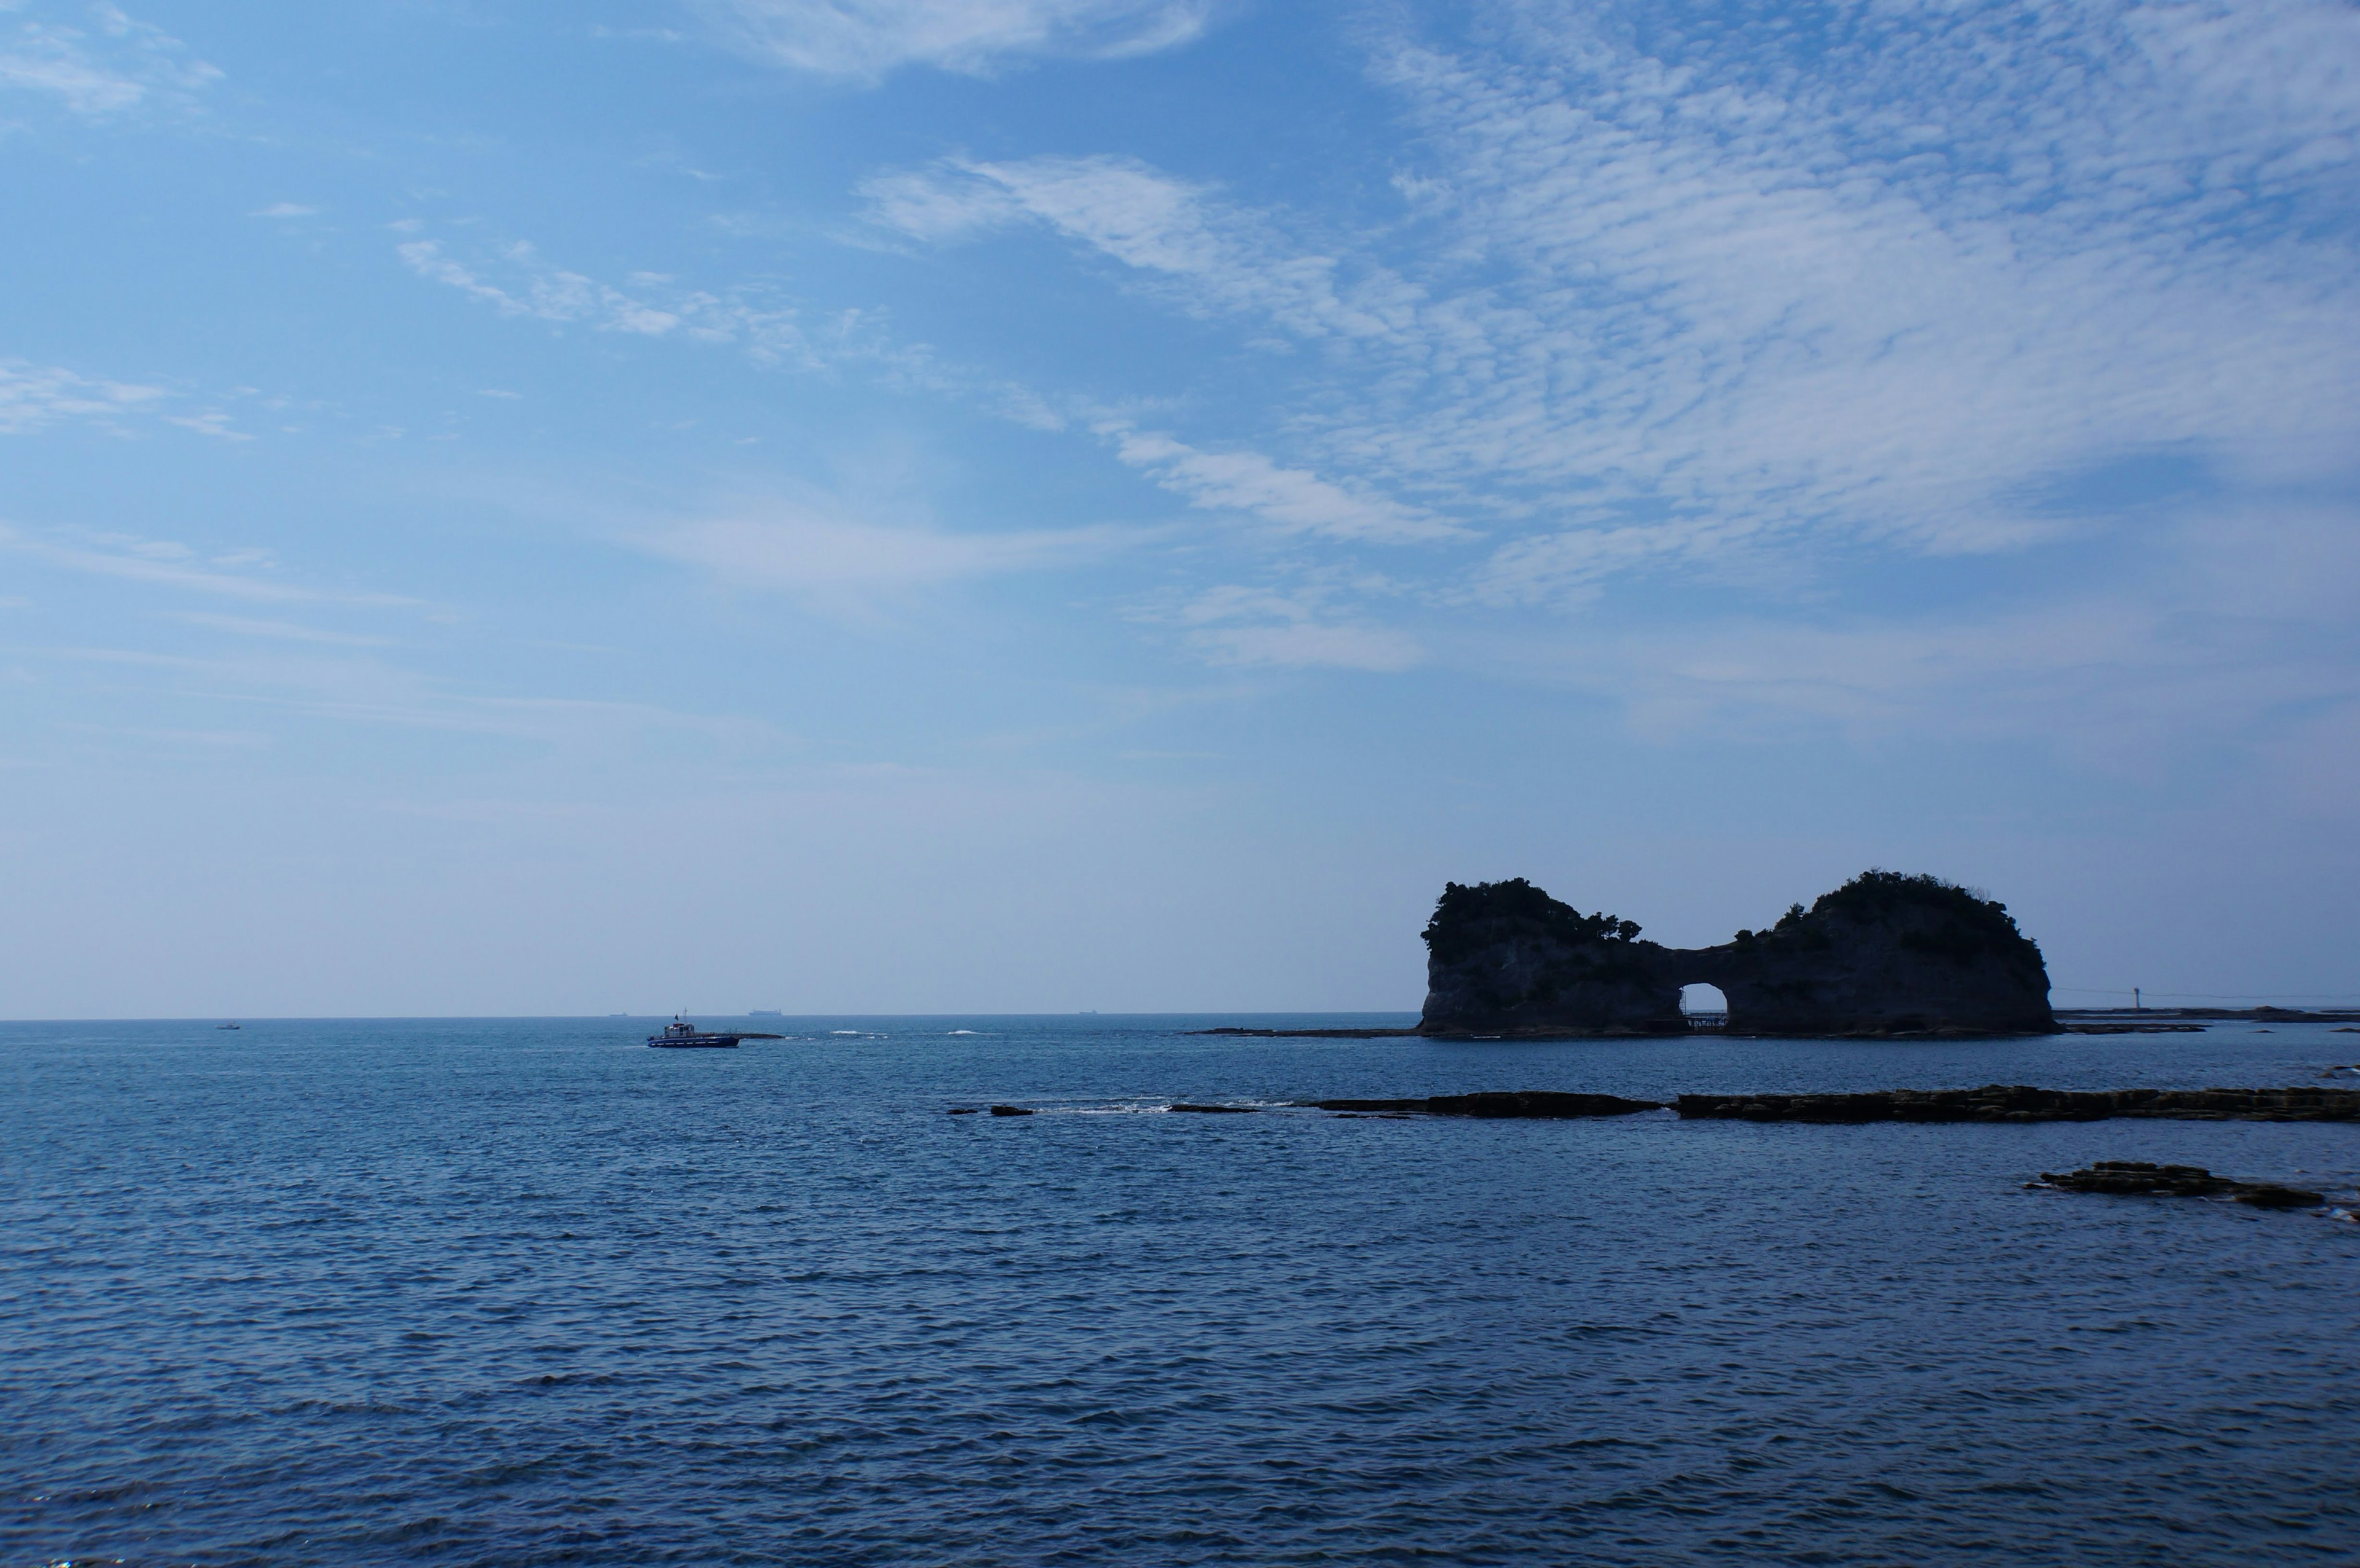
x=1885, y=954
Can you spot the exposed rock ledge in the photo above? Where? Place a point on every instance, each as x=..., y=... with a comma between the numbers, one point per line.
x=1236, y=1031
x=1992, y=1103
x=2136, y=1178
x=1537, y=1104
x=2018, y=1102
x=1885, y=955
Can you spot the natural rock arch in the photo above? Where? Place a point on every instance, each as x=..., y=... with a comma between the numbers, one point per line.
x=1699, y=1000
x=1883, y=954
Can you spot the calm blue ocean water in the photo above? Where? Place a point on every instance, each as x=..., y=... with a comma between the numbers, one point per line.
x=525, y=1292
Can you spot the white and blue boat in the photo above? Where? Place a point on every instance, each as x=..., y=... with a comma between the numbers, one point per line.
x=681, y=1035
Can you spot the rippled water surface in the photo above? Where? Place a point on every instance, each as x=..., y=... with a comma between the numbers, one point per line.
x=526, y=1291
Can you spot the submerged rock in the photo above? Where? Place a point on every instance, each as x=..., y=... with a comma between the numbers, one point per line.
x=1885, y=954
x=1215, y=1110
x=2131, y=1177
x=2267, y=1195
x=1010, y=1111
x=2136, y=1178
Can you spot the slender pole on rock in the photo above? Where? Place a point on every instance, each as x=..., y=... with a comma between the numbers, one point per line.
x=2136, y=1005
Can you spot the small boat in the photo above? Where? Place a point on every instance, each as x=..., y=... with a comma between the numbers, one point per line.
x=228, y=1026
x=681, y=1035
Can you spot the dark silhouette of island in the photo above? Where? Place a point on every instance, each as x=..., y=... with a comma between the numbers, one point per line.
x=1886, y=954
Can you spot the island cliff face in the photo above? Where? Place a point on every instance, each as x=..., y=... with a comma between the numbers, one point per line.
x=1505, y=958
x=1883, y=954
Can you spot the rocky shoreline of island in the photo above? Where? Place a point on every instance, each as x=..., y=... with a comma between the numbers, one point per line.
x=2070, y=1021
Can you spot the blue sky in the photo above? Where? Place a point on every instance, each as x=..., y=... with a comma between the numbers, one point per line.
x=913, y=505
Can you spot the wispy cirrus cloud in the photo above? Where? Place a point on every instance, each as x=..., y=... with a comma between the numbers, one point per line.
x=1180, y=239
x=807, y=548
x=1761, y=291
x=2233, y=624
x=1293, y=499
x=1670, y=296
x=869, y=38
x=518, y=282
x=99, y=63
x=168, y=564
x=528, y=286
x=36, y=397
x=277, y=631
x=1242, y=626
x=363, y=689
x=33, y=395
x=214, y=422
x=515, y=279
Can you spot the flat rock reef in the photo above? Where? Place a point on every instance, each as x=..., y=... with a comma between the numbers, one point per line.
x=1991, y=1102
x=2136, y=1178
x=1529, y=1105
x=2020, y=1103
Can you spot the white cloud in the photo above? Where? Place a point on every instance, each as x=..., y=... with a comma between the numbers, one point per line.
x=2228, y=627
x=1304, y=646
x=810, y=550
x=1752, y=295
x=516, y=281
x=277, y=631
x=362, y=689
x=1135, y=214
x=550, y=293
x=935, y=205
x=285, y=210
x=1240, y=626
x=1294, y=500
x=1181, y=239
x=867, y=38
x=154, y=561
x=167, y=563
x=2116, y=683
x=110, y=64
x=1574, y=564
x=211, y=422
x=1748, y=291
x=35, y=396
x=32, y=395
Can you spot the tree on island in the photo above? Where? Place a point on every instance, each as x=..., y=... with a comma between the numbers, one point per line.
x=1465, y=907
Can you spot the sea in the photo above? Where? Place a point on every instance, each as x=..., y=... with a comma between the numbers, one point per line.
x=518, y=1291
